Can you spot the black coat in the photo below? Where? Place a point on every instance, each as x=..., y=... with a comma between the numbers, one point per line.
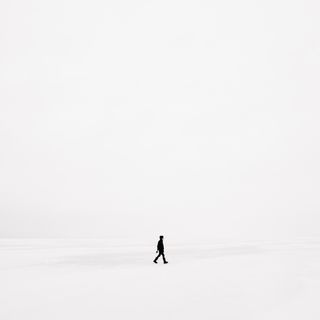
x=160, y=246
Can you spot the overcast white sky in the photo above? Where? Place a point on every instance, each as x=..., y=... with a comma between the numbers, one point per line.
x=187, y=118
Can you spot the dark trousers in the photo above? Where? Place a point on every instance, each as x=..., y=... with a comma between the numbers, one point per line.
x=158, y=256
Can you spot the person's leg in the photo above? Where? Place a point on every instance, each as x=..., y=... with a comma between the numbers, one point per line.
x=163, y=257
x=157, y=257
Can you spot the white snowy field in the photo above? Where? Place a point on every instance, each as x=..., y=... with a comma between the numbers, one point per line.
x=103, y=279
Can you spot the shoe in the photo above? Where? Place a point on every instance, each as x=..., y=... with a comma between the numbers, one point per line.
x=155, y=261
x=166, y=262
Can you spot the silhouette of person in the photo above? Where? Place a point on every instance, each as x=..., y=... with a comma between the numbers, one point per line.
x=160, y=249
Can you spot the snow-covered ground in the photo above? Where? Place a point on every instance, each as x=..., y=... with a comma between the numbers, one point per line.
x=103, y=279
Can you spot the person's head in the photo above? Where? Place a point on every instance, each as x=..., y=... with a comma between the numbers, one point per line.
x=161, y=237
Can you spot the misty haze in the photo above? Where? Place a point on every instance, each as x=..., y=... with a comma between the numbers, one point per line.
x=121, y=121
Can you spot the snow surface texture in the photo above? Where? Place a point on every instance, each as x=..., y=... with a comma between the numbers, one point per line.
x=103, y=279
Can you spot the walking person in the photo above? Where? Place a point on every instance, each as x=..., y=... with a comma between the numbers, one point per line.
x=160, y=249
